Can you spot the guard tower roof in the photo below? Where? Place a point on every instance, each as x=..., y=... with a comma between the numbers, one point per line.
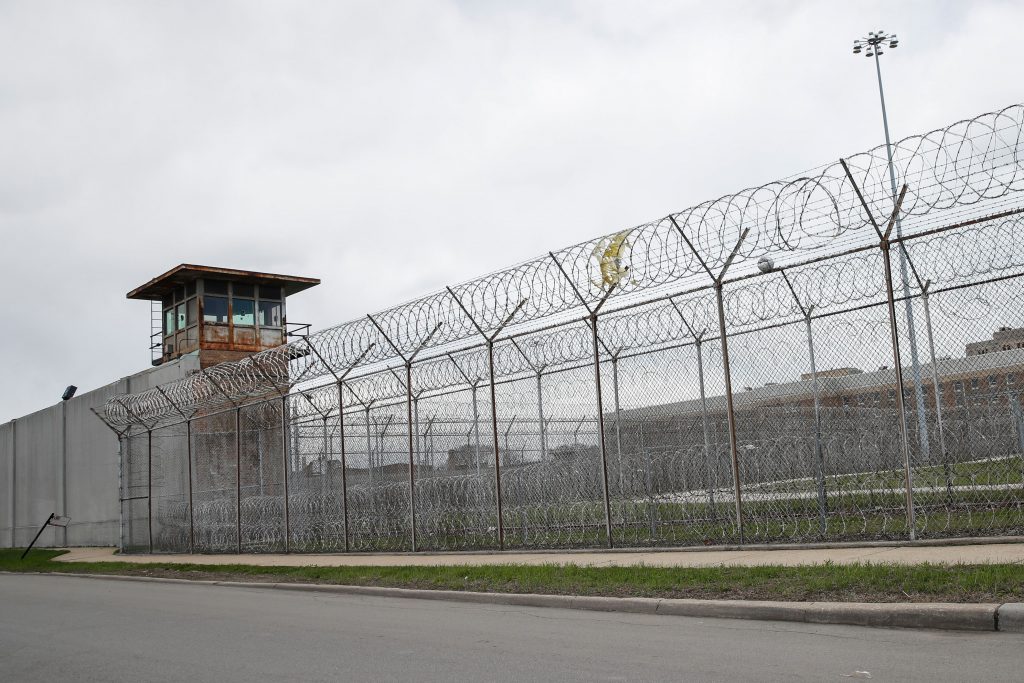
x=162, y=285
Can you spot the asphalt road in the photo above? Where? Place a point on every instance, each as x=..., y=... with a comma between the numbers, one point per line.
x=56, y=628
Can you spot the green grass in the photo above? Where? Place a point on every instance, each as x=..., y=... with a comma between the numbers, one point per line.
x=856, y=582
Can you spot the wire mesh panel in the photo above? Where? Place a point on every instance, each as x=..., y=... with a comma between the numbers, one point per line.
x=261, y=487
x=456, y=507
x=967, y=475
x=214, y=485
x=669, y=461
x=170, y=489
x=557, y=500
x=378, y=488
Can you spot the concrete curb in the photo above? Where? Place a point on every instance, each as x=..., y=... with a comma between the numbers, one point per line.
x=1007, y=617
x=837, y=545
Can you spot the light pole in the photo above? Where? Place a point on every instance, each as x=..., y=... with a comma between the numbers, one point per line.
x=873, y=46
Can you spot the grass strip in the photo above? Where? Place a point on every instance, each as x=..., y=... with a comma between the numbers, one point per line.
x=824, y=582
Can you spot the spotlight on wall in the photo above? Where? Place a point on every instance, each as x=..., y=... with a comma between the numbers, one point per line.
x=765, y=264
x=69, y=392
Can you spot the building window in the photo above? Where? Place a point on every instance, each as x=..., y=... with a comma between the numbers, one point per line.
x=215, y=309
x=168, y=321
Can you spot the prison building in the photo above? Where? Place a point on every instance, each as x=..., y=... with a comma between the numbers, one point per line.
x=979, y=393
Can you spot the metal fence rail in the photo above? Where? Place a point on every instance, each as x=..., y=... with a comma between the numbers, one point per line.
x=809, y=360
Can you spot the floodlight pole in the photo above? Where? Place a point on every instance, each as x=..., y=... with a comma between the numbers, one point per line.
x=922, y=421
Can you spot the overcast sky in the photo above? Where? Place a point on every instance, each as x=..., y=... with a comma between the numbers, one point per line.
x=390, y=148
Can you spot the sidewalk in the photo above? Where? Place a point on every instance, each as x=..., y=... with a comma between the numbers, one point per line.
x=987, y=553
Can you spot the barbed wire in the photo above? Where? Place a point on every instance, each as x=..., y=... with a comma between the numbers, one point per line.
x=956, y=173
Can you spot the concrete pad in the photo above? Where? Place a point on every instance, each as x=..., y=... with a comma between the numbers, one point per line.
x=978, y=553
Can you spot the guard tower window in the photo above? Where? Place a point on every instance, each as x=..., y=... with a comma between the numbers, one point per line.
x=270, y=313
x=243, y=311
x=243, y=290
x=215, y=309
x=215, y=287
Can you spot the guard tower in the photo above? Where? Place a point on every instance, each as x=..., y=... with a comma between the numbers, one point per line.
x=220, y=313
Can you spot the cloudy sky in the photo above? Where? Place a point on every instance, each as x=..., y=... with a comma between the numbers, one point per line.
x=390, y=148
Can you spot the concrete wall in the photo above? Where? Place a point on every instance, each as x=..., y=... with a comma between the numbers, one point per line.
x=63, y=459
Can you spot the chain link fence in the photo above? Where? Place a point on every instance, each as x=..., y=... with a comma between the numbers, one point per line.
x=812, y=360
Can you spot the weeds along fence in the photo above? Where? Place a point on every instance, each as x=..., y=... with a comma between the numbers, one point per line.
x=834, y=356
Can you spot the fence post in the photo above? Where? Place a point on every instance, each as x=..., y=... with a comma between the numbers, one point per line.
x=149, y=486
x=540, y=418
x=286, y=464
x=408, y=409
x=238, y=480
x=191, y=508
x=884, y=245
x=818, y=451
x=718, y=284
x=592, y=318
x=1018, y=419
x=618, y=415
x=344, y=463
x=708, y=461
x=12, y=473
x=712, y=475
x=412, y=464
x=600, y=430
x=730, y=412
x=936, y=386
x=819, y=455
x=497, y=457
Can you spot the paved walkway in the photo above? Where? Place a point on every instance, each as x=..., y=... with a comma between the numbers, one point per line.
x=945, y=554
